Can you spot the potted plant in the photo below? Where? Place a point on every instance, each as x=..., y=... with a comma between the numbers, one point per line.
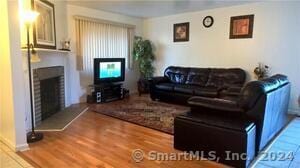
x=143, y=55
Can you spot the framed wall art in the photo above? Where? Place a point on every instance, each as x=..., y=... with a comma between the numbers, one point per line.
x=181, y=32
x=44, y=35
x=241, y=26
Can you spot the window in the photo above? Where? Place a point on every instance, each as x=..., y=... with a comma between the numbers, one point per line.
x=102, y=39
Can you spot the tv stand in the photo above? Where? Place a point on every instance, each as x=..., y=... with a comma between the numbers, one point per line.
x=107, y=92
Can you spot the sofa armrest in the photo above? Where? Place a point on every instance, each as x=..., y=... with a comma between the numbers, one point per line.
x=215, y=103
x=158, y=79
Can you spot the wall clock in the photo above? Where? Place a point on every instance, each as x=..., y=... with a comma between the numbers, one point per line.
x=208, y=21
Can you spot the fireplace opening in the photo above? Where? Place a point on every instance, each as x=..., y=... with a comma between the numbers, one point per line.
x=50, y=96
x=49, y=92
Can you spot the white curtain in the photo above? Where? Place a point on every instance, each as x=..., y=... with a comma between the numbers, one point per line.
x=96, y=39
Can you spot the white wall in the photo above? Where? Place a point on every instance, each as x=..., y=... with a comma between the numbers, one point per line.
x=12, y=95
x=275, y=41
x=78, y=82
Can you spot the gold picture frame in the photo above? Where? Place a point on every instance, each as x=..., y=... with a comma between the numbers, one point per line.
x=44, y=34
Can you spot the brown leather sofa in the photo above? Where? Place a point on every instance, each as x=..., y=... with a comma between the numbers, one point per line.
x=180, y=83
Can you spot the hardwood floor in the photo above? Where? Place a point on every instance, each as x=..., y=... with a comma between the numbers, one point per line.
x=96, y=140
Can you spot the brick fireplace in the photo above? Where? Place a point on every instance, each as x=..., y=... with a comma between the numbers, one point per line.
x=49, y=92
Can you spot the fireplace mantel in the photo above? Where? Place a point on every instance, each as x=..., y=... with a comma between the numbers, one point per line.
x=48, y=50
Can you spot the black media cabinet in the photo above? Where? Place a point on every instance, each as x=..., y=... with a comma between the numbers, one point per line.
x=106, y=92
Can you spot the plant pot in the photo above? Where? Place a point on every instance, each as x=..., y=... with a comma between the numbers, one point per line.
x=143, y=86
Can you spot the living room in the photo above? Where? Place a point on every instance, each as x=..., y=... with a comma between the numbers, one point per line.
x=208, y=83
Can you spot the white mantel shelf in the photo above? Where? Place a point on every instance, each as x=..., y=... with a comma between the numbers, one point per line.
x=48, y=50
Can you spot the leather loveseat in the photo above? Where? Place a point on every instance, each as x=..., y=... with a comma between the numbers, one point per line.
x=244, y=125
x=180, y=83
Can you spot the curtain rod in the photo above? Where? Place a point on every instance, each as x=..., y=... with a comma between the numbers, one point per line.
x=104, y=21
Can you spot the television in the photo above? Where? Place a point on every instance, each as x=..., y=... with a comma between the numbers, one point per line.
x=109, y=70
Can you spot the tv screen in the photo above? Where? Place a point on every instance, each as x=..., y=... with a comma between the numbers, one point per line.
x=109, y=70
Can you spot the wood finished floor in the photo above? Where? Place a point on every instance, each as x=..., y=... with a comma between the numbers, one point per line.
x=96, y=140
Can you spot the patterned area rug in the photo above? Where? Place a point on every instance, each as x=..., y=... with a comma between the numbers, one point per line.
x=143, y=111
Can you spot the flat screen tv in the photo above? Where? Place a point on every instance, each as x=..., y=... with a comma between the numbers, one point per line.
x=108, y=70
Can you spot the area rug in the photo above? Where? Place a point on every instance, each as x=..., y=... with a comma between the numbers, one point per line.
x=59, y=121
x=143, y=111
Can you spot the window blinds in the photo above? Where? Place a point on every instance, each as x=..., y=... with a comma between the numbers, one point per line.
x=102, y=39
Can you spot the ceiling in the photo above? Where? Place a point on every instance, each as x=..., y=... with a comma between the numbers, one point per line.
x=154, y=8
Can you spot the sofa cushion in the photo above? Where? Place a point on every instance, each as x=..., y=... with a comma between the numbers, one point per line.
x=206, y=91
x=197, y=76
x=223, y=78
x=184, y=89
x=230, y=91
x=215, y=104
x=165, y=86
x=177, y=75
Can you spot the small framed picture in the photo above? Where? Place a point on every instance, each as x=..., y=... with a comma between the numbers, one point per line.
x=181, y=32
x=241, y=26
x=44, y=28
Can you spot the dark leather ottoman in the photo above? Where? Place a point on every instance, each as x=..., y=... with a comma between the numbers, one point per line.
x=222, y=134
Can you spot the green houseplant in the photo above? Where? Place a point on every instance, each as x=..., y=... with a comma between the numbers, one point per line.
x=143, y=55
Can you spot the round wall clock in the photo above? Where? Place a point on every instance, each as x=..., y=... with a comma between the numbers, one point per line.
x=208, y=21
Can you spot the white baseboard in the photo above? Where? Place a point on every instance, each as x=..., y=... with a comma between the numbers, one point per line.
x=22, y=147
x=15, y=148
